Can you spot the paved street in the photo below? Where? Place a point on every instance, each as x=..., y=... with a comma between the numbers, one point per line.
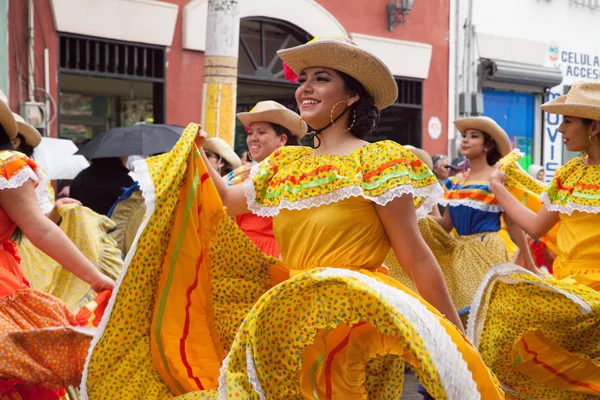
x=410, y=388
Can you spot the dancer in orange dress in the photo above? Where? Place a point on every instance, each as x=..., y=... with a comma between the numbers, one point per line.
x=270, y=126
x=24, y=373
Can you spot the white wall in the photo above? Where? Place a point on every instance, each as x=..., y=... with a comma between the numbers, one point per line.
x=525, y=30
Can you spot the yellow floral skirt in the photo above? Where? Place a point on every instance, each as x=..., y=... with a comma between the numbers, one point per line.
x=89, y=232
x=540, y=336
x=464, y=260
x=200, y=312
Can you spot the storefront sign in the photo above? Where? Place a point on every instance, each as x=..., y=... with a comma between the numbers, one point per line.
x=575, y=66
x=434, y=127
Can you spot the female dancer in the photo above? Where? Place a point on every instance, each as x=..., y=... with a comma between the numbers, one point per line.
x=539, y=335
x=270, y=126
x=23, y=309
x=332, y=326
x=475, y=213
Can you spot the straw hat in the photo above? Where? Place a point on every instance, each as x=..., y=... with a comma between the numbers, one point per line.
x=582, y=100
x=421, y=155
x=275, y=113
x=7, y=120
x=489, y=126
x=221, y=148
x=31, y=135
x=342, y=54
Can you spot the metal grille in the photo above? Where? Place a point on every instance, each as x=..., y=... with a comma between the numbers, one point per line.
x=410, y=93
x=111, y=59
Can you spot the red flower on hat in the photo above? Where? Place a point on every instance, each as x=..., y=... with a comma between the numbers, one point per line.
x=289, y=74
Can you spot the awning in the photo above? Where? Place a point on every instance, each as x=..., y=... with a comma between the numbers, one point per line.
x=519, y=73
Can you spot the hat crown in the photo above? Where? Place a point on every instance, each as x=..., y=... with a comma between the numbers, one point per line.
x=267, y=105
x=587, y=93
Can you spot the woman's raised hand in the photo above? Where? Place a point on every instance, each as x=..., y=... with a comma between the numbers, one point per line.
x=201, y=137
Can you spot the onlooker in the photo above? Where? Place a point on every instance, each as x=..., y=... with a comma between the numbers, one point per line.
x=440, y=162
x=100, y=185
x=458, y=165
x=537, y=171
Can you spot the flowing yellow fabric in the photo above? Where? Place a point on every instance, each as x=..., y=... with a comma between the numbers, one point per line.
x=578, y=244
x=196, y=297
x=128, y=215
x=539, y=335
x=464, y=260
x=89, y=232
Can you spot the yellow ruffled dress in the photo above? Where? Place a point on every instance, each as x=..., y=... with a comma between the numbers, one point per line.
x=200, y=312
x=540, y=335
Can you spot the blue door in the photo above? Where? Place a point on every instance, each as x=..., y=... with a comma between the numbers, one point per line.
x=515, y=113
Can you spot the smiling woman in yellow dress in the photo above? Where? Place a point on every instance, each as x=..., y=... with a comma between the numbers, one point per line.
x=333, y=325
x=540, y=336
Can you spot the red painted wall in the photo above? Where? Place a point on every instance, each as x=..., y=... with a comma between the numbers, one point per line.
x=185, y=70
x=45, y=37
x=429, y=22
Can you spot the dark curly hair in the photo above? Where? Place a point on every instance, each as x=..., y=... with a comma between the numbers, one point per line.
x=24, y=147
x=493, y=154
x=367, y=115
x=5, y=143
x=280, y=130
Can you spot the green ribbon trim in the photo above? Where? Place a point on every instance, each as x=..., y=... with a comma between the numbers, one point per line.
x=331, y=178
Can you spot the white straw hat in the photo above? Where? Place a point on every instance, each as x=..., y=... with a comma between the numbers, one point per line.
x=582, y=100
x=221, y=148
x=342, y=54
x=489, y=126
x=31, y=135
x=7, y=120
x=275, y=113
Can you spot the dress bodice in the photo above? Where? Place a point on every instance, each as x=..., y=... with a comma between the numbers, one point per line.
x=575, y=193
x=324, y=207
x=472, y=206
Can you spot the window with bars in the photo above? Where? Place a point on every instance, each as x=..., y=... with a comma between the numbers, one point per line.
x=107, y=58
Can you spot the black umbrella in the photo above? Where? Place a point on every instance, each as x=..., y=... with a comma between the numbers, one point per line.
x=138, y=140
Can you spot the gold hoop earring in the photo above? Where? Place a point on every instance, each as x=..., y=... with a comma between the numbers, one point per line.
x=595, y=138
x=331, y=116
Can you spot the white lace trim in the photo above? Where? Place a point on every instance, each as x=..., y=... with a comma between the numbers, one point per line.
x=502, y=272
x=253, y=375
x=148, y=192
x=432, y=194
x=568, y=208
x=19, y=179
x=473, y=204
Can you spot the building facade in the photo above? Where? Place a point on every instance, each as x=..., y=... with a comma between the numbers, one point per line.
x=97, y=65
x=519, y=54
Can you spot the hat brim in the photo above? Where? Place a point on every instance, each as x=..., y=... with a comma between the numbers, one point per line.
x=286, y=118
x=488, y=126
x=561, y=107
x=8, y=121
x=31, y=135
x=366, y=68
x=222, y=149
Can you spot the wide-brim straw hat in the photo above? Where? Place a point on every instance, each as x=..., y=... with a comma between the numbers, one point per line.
x=7, y=120
x=421, y=155
x=582, y=100
x=221, y=148
x=31, y=135
x=489, y=126
x=274, y=113
x=342, y=54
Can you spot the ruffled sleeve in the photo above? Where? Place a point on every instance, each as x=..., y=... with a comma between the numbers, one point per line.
x=292, y=178
x=575, y=187
x=16, y=169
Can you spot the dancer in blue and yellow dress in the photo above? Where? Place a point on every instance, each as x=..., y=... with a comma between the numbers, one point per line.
x=209, y=315
x=474, y=213
x=540, y=335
